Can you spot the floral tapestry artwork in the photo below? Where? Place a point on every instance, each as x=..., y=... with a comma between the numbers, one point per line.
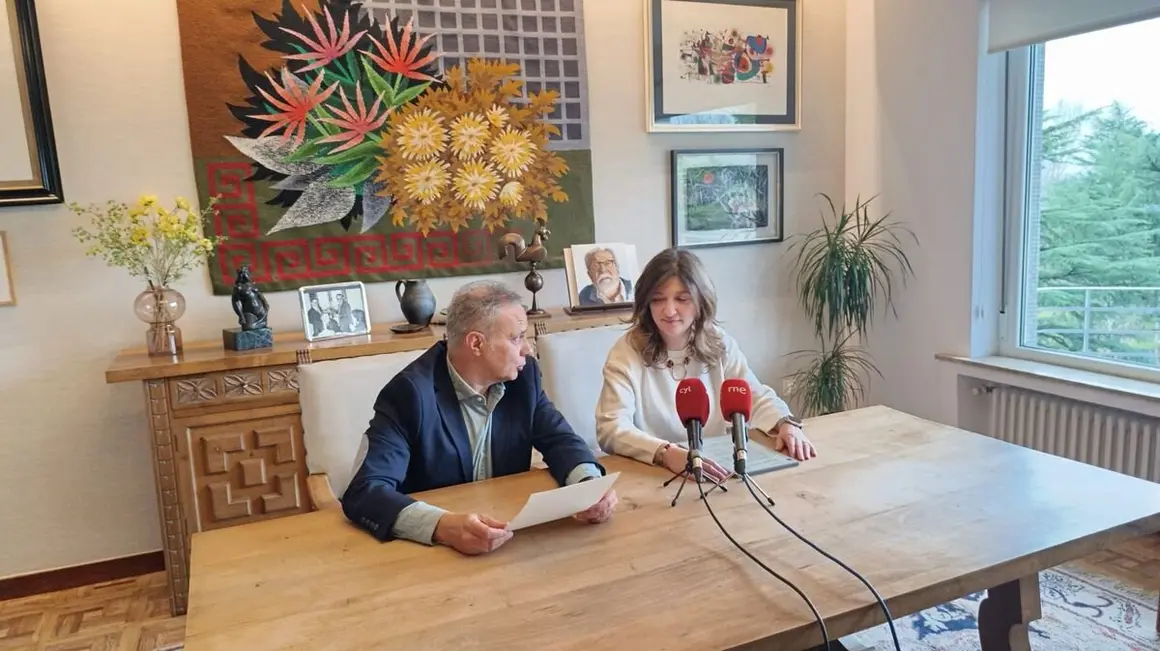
x=375, y=140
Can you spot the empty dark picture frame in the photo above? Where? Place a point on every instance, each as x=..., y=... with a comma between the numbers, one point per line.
x=22, y=38
x=711, y=161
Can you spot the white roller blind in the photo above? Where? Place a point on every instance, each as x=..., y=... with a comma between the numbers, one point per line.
x=1016, y=23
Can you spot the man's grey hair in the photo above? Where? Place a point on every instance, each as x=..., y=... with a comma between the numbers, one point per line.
x=474, y=307
x=591, y=255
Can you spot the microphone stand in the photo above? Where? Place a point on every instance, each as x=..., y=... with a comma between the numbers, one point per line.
x=740, y=454
x=749, y=481
x=740, y=435
x=692, y=464
x=684, y=477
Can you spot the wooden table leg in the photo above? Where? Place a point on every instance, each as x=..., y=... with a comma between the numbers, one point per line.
x=173, y=528
x=1005, y=614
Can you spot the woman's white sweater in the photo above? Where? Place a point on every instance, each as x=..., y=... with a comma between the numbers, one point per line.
x=637, y=412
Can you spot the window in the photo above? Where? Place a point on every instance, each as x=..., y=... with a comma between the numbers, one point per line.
x=1082, y=266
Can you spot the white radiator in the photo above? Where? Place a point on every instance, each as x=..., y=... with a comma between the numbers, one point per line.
x=1109, y=438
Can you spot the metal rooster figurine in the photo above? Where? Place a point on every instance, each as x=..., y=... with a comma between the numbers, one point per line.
x=534, y=255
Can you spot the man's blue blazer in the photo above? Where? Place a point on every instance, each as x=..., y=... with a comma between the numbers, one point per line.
x=417, y=440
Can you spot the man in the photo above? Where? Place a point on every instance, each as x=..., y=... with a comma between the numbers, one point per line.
x=468, y=409
x=314, y=314
x=345, y=317
x=607, y=285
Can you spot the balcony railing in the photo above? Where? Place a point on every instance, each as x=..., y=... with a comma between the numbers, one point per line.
x=1121, y=323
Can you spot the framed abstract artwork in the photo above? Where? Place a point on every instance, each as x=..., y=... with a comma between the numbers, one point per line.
x=29, y=170
x=727, y=196
x=723, y=65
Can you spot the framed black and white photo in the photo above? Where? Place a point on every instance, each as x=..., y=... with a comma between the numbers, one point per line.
x=727, y=196
x=601, y=276
x=29, y=169
x=334, y=310
x=723, y=65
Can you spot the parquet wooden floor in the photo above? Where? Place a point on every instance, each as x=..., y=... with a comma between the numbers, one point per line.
x=1136, y=562
x=127, y=615
x=133, y=614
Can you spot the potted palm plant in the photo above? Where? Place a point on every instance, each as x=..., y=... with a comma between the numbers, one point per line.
x=847, y=270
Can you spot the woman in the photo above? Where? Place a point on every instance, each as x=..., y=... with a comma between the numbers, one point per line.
x=674, y=335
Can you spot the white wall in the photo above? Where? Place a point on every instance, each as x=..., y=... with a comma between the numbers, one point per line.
x=915, y=64
x=75, y=465
x=863, y=136
x=934, y=137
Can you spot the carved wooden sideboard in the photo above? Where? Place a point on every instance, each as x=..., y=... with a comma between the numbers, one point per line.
x=225, y=427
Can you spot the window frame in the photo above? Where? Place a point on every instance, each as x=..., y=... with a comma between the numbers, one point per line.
x=1018, y=123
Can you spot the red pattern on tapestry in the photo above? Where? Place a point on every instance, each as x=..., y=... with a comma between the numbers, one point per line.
x=440, y=250
x=237, y=210
x=330, y=256
x=322, y=258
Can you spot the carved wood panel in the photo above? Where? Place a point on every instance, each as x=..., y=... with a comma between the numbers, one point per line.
x=246, y=471
x=165, y=468
x=232, y=386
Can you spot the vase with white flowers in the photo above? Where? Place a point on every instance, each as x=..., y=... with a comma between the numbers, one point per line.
x=157, y=243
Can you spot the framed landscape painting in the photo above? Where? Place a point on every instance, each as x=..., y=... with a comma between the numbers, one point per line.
x=727, y=196
x=723, y=65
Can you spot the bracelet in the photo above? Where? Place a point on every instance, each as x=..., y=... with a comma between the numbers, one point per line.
x=659, y=455
x=786, y=419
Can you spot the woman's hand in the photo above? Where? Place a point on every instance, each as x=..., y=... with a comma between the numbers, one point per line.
x=676, y=459
x=793, y=442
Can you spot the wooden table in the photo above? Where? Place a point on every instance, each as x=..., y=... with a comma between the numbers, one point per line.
x=927, y=513
x=225, y=427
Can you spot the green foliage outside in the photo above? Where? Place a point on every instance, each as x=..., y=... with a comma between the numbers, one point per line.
x=1099, y=227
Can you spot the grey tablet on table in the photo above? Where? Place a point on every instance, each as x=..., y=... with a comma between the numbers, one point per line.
x=759, y=457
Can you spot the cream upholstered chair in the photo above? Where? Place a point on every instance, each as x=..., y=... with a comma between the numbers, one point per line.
x=337, y=399
x=572, y=364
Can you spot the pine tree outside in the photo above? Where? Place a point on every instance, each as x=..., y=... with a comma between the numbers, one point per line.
x=1090, y=272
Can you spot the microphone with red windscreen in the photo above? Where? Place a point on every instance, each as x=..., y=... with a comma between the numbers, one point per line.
x=736, y=405
x=693, y=410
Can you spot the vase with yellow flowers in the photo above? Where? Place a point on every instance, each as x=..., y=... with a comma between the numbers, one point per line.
x=154, y=242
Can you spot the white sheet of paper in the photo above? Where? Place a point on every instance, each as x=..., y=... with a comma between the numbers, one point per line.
x=562, y=502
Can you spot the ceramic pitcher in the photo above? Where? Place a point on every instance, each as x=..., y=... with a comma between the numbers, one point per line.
x=416, y=301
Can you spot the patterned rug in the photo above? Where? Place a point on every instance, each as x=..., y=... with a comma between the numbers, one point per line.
x=1081, y=612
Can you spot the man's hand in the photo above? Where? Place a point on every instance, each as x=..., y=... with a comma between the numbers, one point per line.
x=600, y=511
x=794, y=443
x=471, y=533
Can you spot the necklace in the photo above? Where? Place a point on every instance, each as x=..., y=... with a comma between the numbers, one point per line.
x=684, y=368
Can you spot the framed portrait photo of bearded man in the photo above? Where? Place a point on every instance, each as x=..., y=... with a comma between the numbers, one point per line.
x=601, y=276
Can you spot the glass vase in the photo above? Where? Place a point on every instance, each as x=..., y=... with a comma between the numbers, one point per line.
x=161, y=307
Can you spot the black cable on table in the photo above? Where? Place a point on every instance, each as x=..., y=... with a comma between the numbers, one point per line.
x=817, y=615
x=881, y=603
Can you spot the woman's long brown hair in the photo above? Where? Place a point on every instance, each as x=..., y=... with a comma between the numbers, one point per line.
x=705, y=342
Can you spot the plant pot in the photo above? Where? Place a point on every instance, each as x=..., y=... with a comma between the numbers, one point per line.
x=161, y=307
